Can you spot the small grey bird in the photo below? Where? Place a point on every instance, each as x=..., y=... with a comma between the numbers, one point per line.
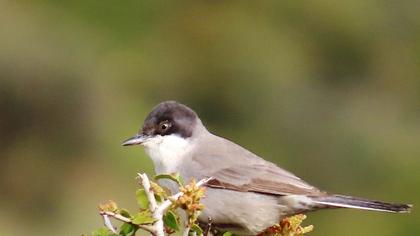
x=247, y=194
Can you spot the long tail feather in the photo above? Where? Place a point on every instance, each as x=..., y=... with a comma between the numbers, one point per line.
x=360, y=203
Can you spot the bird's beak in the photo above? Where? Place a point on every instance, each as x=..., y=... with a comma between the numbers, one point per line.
x=137, y=139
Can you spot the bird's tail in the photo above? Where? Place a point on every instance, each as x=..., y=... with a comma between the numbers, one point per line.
x=341, y=201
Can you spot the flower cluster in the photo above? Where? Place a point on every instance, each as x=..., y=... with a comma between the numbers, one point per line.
x=190, y=200
x=290, y=226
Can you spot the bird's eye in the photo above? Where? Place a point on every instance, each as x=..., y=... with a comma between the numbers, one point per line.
x=164, y=126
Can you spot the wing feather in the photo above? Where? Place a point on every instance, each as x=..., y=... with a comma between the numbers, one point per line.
x=246, y=172
x=258, y=178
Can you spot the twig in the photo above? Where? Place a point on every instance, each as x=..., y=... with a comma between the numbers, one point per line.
x=149, y=191
x=167, y=203
x=157, y=228
x=159, y=210
x=186, y=230
x=108, y=224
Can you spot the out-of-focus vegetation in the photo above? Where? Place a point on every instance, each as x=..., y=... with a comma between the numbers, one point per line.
x=329, y=90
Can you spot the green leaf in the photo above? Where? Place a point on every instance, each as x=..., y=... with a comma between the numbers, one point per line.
x=127, y=229
x=170, y=220
x=174, y=177
x=197, y=229
x=159, y=198
x=142, y=199
x=143, y=217
x=227, y=233
x=124, y=213
x=103, y=232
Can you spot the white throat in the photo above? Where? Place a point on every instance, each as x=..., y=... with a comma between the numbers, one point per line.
x=167, y=152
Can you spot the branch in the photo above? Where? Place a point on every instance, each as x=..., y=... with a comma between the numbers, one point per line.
x=108, y=224
x=186, y=230
x=157, y=210
x=158, y=229
x=167, y=203
x=149, y=191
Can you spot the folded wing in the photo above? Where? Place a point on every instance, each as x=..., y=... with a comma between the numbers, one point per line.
x=268, y=179
x=235, y=168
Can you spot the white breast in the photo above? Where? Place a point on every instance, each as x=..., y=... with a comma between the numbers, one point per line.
x=167, y=152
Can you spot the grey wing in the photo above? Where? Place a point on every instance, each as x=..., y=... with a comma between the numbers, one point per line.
x=261, y=179
x=235, y=168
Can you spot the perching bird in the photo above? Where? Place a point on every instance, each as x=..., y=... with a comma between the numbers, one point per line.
x=247, y=193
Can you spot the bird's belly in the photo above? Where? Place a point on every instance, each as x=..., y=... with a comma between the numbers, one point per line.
x=242, y=213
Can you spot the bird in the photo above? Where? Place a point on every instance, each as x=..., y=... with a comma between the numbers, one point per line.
x=246, y=194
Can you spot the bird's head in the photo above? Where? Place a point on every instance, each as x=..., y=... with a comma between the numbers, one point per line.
x=167, y=120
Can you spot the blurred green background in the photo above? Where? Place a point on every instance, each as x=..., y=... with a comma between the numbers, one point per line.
x=327, y=89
